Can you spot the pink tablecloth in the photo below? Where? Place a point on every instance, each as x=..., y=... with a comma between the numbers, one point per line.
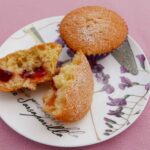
x=17, y=13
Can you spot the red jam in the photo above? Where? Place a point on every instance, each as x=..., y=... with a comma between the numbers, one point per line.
x=5, y=75
x=51, y=101
x=37, y=73
x=27, y=74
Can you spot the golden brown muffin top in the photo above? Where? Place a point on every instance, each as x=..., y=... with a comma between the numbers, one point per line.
x=93, y=30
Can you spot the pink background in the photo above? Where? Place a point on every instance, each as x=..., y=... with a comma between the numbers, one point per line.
x=14, y=14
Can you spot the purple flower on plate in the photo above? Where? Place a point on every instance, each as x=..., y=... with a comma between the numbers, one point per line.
x=105, y=78
x=122, y=86
x=108, y=88
x=117, y=101
x=123, y=69
x=147, y=86
x=141, y=59
x=101, y=77
x=125, y=82
x=96, y=68
x=60, y=41
x=70, y=53
x=118, y=112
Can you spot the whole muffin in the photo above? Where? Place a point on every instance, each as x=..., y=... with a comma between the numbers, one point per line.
x=93, y=30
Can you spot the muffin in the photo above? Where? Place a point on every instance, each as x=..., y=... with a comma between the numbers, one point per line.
x=70, y=96
x=27, y=68
x=93, y=30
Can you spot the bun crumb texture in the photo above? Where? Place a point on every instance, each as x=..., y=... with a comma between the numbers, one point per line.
x=27, y=68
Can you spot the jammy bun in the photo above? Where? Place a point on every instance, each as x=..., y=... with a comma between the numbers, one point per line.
x=27, y=68
x=70, y=97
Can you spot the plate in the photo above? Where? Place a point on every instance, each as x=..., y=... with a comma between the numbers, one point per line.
x=119, y=97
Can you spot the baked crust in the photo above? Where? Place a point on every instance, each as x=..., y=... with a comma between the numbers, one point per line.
x=93, y=30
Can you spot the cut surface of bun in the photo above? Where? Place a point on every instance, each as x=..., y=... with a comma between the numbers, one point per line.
x=70, y=97
x=27, y=68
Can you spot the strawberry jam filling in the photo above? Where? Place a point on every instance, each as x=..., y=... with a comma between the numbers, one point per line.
x=36, y=73
x=27, y=74
x=39, y=72
x=5, y=75
x=52, y=100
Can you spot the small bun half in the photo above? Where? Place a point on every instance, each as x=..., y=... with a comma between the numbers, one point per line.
x=70, y=98
x=27, y=68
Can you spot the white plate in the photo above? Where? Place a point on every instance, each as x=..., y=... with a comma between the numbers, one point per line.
x=113, y=109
